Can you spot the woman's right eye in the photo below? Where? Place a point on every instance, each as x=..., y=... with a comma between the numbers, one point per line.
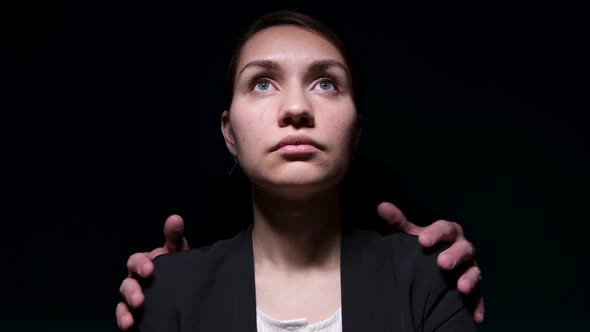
x=262, y=84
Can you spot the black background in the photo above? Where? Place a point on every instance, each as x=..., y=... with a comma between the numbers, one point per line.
x=110, y=123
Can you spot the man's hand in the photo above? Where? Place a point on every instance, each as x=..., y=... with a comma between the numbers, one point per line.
x=460, y=251
x=140, y=264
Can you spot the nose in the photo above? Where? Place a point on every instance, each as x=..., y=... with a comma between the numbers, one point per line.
x=296, y=110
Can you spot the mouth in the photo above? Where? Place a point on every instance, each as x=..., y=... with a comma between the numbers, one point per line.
x=297, y=143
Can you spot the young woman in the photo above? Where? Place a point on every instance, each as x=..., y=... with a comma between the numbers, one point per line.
x=292, y=123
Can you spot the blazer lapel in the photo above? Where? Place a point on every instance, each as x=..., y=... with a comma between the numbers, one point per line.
x=238, y=302
x=358, y=286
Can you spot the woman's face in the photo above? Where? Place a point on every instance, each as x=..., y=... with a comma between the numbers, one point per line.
x=292, y=122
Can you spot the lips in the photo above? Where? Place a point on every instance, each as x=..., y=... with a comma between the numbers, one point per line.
x=294, y=140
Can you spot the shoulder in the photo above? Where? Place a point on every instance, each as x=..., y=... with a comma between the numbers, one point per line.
x=180, y=269
x=403, y=249
x=414, y=262
x=432, y=291
x=402, y=261
x=407, y=248
x=182, y=277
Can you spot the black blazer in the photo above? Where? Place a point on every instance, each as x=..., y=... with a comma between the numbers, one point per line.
x=389, y=283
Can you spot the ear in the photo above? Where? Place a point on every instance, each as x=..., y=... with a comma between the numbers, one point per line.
x=228, y=133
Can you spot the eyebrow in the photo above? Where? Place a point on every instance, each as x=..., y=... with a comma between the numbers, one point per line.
x=265, y=64
x=323, y=65
x=316, y=66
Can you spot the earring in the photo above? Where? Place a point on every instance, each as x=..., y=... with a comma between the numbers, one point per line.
x=235, y=165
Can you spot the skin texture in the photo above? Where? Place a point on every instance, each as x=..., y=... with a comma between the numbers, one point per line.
x=302, y=87
x=291, y=81
x=277, y=94
x=140, y=264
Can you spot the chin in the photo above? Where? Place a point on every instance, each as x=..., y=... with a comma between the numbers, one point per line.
x=300, y=183
x=300, y=178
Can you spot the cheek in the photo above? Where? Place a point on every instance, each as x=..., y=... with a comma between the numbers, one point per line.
x=343, y=128
x=253, y=123
x=249, y=135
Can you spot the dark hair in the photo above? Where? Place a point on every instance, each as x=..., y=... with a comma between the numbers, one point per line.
x=294, y=18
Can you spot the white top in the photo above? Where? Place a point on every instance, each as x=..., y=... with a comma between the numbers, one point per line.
x=265, y=323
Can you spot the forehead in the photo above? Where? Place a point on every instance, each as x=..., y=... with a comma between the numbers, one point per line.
x=288, y=44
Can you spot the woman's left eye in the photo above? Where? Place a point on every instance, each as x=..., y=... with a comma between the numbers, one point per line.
x=326, y=85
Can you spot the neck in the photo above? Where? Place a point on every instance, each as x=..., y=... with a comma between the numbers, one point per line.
x=296, y=234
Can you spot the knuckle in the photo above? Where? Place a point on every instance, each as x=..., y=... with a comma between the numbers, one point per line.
x=438, y=228
x=465, y=252
x=440, y=223
x=467, y=249
x=448, y=227
x=458, y=227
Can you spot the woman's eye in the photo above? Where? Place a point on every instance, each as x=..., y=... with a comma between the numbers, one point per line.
x=262, y=85
x=326, y=85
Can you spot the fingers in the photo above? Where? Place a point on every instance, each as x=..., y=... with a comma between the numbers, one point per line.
x=131, y=291
x=479, y=312
x=468, y=285
x=141, y=263
x=174, y=234
x=124, y=317
x=441, y=230
x=396, y=218
x=459, y=252
x=156, y=252
x=468, y=282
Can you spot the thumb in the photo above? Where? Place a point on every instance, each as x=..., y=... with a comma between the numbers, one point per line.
x=397, y=219
x=174, y=234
